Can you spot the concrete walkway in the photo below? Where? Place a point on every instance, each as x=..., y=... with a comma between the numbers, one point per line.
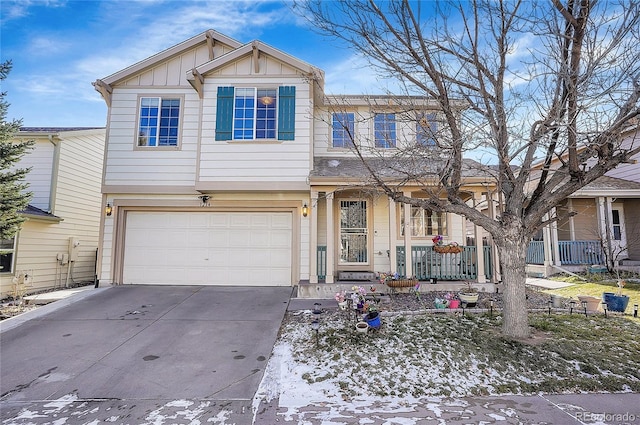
x=546, y=283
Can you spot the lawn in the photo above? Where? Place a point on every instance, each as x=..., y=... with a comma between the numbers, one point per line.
x=596, y=285
x=447, y=355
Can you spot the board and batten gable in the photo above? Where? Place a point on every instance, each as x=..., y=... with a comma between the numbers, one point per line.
x=126, y=164
x=247, y=161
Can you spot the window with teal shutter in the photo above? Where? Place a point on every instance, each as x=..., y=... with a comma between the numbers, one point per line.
x=224, y=113
x=252, y=113
x=286, y=113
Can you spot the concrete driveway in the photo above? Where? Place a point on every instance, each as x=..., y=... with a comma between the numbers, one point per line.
x=142, y=354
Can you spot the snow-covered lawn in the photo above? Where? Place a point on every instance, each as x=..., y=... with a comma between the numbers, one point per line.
x=415, y=358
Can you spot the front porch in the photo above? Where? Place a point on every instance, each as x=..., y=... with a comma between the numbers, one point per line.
x=428, y=265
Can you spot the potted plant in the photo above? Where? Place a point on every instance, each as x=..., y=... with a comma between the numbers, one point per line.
x=452, y=300
x=441, y=248
x=393, y=280
x=468, y=295
x=616, y=302
x=373, y=316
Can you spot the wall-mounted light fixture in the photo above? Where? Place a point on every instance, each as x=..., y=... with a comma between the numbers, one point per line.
x=205, y=200
x=108, y=210
x=305, y=210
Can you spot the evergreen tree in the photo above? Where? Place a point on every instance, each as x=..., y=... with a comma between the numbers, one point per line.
x=13, y=197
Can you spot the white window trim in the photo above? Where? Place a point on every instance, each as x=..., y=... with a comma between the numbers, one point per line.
x=180, y=122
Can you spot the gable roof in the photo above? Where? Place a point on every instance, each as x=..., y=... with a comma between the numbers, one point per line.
x=209, y=36
x=255, y=47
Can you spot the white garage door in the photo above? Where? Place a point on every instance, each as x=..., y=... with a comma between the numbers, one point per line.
x=208, y=248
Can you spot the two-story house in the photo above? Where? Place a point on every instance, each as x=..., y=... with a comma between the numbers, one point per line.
x=599, y=225
x=226, y=164
x=57, y=244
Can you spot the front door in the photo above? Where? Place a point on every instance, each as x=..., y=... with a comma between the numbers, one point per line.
x=353, y=233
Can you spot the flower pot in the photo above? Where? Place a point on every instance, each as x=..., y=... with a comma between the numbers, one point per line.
x=469, y=298
x=342, y=305
x=441, y=305
x=454, y=303
x=373, y=319
x=362, y=327
x=615, y=302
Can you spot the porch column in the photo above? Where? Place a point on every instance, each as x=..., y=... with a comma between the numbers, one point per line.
x=492, y=204
x=572, y=224
x=554, y=239
x=546, y=243
x=313, y=238
x=331, y=243
x=604, y=207
x=477, y=231
x=393, y=236
x=408, y=260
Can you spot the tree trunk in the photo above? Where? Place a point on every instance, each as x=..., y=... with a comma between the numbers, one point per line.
x=513, y=258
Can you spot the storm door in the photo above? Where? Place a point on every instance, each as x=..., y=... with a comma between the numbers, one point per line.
x=353, y=232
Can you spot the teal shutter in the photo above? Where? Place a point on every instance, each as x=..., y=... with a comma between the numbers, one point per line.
x=224, y=113
x=286, y=112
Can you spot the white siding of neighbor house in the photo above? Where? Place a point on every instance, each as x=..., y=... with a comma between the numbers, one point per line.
x=77, y=200
x=41, y=160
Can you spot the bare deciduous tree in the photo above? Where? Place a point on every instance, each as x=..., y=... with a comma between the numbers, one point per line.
x=554, y=82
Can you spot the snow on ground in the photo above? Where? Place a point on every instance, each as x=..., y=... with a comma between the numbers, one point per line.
x=430, y=361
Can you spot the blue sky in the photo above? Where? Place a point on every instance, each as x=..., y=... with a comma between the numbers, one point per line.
x=59, y=47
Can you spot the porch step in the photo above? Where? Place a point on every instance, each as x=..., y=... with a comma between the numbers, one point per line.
x=369, y=276
x=627, y=262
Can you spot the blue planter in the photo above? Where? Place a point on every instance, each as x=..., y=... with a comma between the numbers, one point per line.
x=373, y=320
x=615, y=302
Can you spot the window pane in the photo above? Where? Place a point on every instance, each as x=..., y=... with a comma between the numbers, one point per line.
x=6, y=255
x=385, y=130
x=158, y=117
x=343, y=130
x=426, y=129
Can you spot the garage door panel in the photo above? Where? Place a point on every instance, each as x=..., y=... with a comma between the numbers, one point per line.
x=208, y=248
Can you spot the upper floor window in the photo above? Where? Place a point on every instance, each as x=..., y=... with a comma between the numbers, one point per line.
x=7, y=248
x=254, y=114
x=426, y=129
x=343, y=125
x=159, y=121
x=425, y=223
x=249, y=113
x=384, y=126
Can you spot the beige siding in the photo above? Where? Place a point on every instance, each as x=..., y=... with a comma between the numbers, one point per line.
x=41, y=160
x=238, y=161
x=128, y=165
x=585, y=222
x=78, y=203
x=632, y=227
x=364, y=134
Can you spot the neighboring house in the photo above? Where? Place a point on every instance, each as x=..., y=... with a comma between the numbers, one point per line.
x=57, y=244
x=226, y=164
x=605, y=227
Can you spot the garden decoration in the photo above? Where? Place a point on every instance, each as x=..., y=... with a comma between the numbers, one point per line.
x=441, y=248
